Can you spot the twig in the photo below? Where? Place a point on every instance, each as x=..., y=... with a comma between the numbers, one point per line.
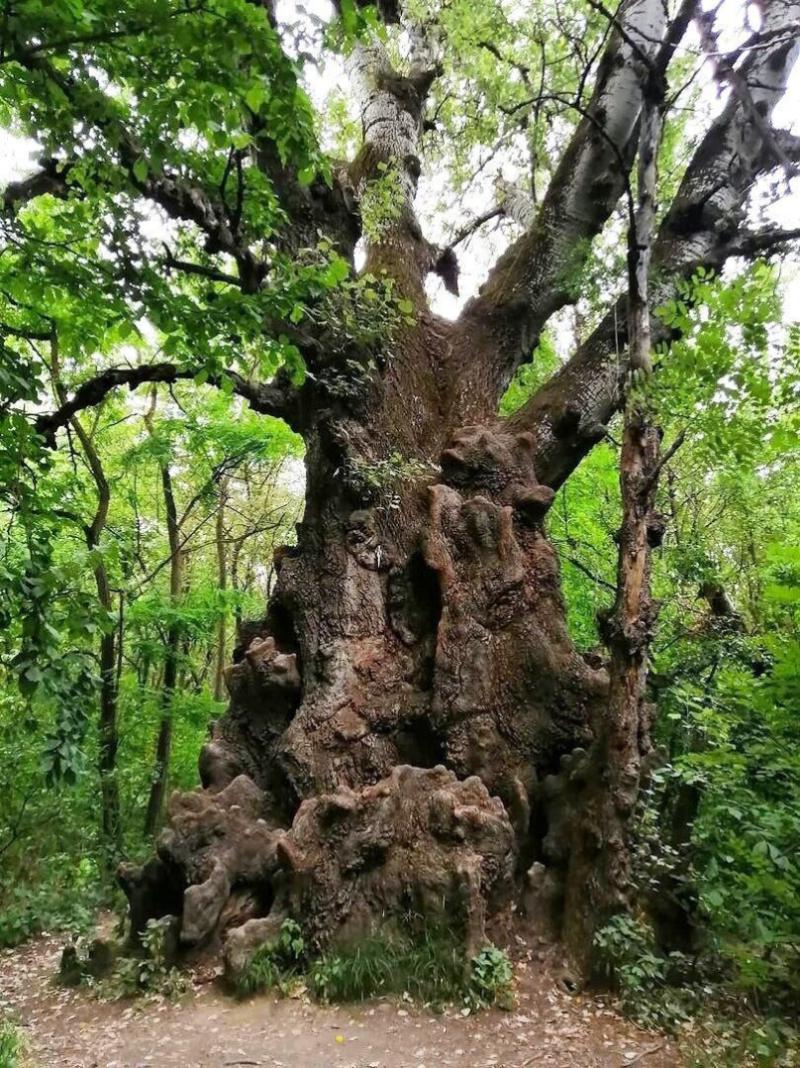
x=589, y=573
x=665, y=459
x=643, y=1054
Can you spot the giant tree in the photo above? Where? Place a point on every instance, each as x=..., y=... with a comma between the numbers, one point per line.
x=411, y=725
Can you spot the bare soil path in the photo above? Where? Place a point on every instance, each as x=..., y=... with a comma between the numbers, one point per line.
x=207, y=1029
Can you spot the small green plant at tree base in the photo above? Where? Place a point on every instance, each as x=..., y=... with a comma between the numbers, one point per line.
x=276, y=965
x=12, y=1046
x=630, y=959
x=491, y=979
x=150, y=974
x=429, y=967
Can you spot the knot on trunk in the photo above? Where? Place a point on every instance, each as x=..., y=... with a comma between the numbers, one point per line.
x=480, y=458
x=265, y=673
x=365, y=543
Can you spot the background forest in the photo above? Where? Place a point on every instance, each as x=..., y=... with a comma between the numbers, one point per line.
x=133, y=554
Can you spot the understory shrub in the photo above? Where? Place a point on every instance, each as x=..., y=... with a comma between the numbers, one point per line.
x=696, y=1000
x=149, y=973
x=66, y=900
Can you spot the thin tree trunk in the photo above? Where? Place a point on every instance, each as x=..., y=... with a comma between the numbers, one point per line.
x=222, y=586
x=237, y=607
x=601, y=881
x=626, y=737
x=158, y=788
x=110, y=649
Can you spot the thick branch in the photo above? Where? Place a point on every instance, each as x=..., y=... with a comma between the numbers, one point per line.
x=750, y=243
x=388, y=166
x=50, y=178
x=703, y=227
x=277, y=398
x=535, y=276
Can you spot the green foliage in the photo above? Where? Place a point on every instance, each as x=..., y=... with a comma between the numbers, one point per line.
x=55, y=866
x=747, y=831
x=395, y=470
x=669, y=992
x=428, y=966
x=66, y=899
x=12, y=1046
x=737, y=1041
x=491, y=980
x=381, y=202
x=719, y=826
x=628, y=954
x=529, y=376
x=149, y=974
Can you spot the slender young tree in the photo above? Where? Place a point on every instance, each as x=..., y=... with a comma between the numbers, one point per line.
x=172, y=648
x=110, y=638
x=220, y=656
x=411, y=723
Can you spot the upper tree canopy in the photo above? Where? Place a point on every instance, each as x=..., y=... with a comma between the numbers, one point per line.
x=187, y=191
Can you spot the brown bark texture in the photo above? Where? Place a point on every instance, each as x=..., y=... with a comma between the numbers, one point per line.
x=411, y=729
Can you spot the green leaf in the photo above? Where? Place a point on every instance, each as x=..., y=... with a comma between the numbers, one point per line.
x=140, y=170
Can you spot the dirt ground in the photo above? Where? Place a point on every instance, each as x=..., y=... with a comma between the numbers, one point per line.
x=208, y=1029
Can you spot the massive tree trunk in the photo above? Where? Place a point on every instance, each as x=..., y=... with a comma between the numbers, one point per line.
x=409, y=725
x=418, y=621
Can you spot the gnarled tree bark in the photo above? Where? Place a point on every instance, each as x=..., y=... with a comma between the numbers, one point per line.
x=411, y=726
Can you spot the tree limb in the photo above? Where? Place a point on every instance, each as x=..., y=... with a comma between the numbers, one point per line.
x=277, y=398
x=750, y=243
x=50, y=178
x=181, y=199
x=535, y=276
x=702, y=228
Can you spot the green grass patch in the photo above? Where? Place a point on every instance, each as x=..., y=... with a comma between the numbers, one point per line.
x=428, y=966
x=12, y=1045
